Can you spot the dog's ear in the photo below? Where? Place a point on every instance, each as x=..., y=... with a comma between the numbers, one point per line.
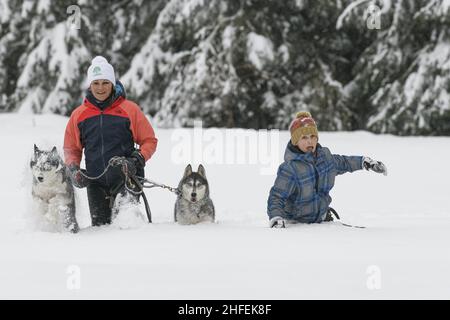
x=55, y=152
x=201, y=171
x=36, y=149
x=187, y=171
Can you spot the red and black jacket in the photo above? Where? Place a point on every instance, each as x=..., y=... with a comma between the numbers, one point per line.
x=105, y=133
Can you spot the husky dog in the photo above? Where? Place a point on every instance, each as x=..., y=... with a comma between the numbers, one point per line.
x=193, y=204
x=52, y=191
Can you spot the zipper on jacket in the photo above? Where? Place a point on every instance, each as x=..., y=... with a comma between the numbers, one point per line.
x=316, y=173
x=103, y=145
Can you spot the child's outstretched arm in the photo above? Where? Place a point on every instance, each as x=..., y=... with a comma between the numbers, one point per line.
x=345, y=164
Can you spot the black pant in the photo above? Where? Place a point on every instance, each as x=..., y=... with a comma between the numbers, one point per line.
x=100, y=204
x=101, y=200
x=102, y=194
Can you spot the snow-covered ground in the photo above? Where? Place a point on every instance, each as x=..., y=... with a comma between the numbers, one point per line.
x=403, y=252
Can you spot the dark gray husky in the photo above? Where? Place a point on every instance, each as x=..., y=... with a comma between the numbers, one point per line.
x=193, y=204
x=52, y=190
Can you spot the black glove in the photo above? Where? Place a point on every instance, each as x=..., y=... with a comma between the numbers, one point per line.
x=76, y=176
x=135, y=161
x=277, y=222
x=376, y=166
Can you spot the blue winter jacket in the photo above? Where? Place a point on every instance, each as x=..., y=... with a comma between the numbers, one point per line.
x=303, y=183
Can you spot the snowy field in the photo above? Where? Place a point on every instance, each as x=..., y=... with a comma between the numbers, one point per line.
x=403, y=252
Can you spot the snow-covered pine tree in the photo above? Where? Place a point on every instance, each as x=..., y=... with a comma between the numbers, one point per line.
x=44, y=52
x=118, y=29
x=13, y=26
x=401, y=81
x=243, y=63
x=47, y=56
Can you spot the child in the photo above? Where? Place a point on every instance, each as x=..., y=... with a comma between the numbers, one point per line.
x=306, y=177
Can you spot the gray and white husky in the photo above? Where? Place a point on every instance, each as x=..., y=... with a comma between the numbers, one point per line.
x=52, y=191
x=193, y=204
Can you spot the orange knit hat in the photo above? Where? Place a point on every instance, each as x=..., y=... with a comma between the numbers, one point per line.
x=302, y=125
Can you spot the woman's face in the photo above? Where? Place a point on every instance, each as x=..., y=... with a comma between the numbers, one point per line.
x=101, y=89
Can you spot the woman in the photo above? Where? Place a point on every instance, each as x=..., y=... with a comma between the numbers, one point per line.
x=104, y=126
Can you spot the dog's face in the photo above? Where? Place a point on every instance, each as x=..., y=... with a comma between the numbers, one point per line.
x=45, y=165
x=194, y=186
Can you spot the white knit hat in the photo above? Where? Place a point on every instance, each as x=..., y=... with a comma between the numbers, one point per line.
x=100, y=69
